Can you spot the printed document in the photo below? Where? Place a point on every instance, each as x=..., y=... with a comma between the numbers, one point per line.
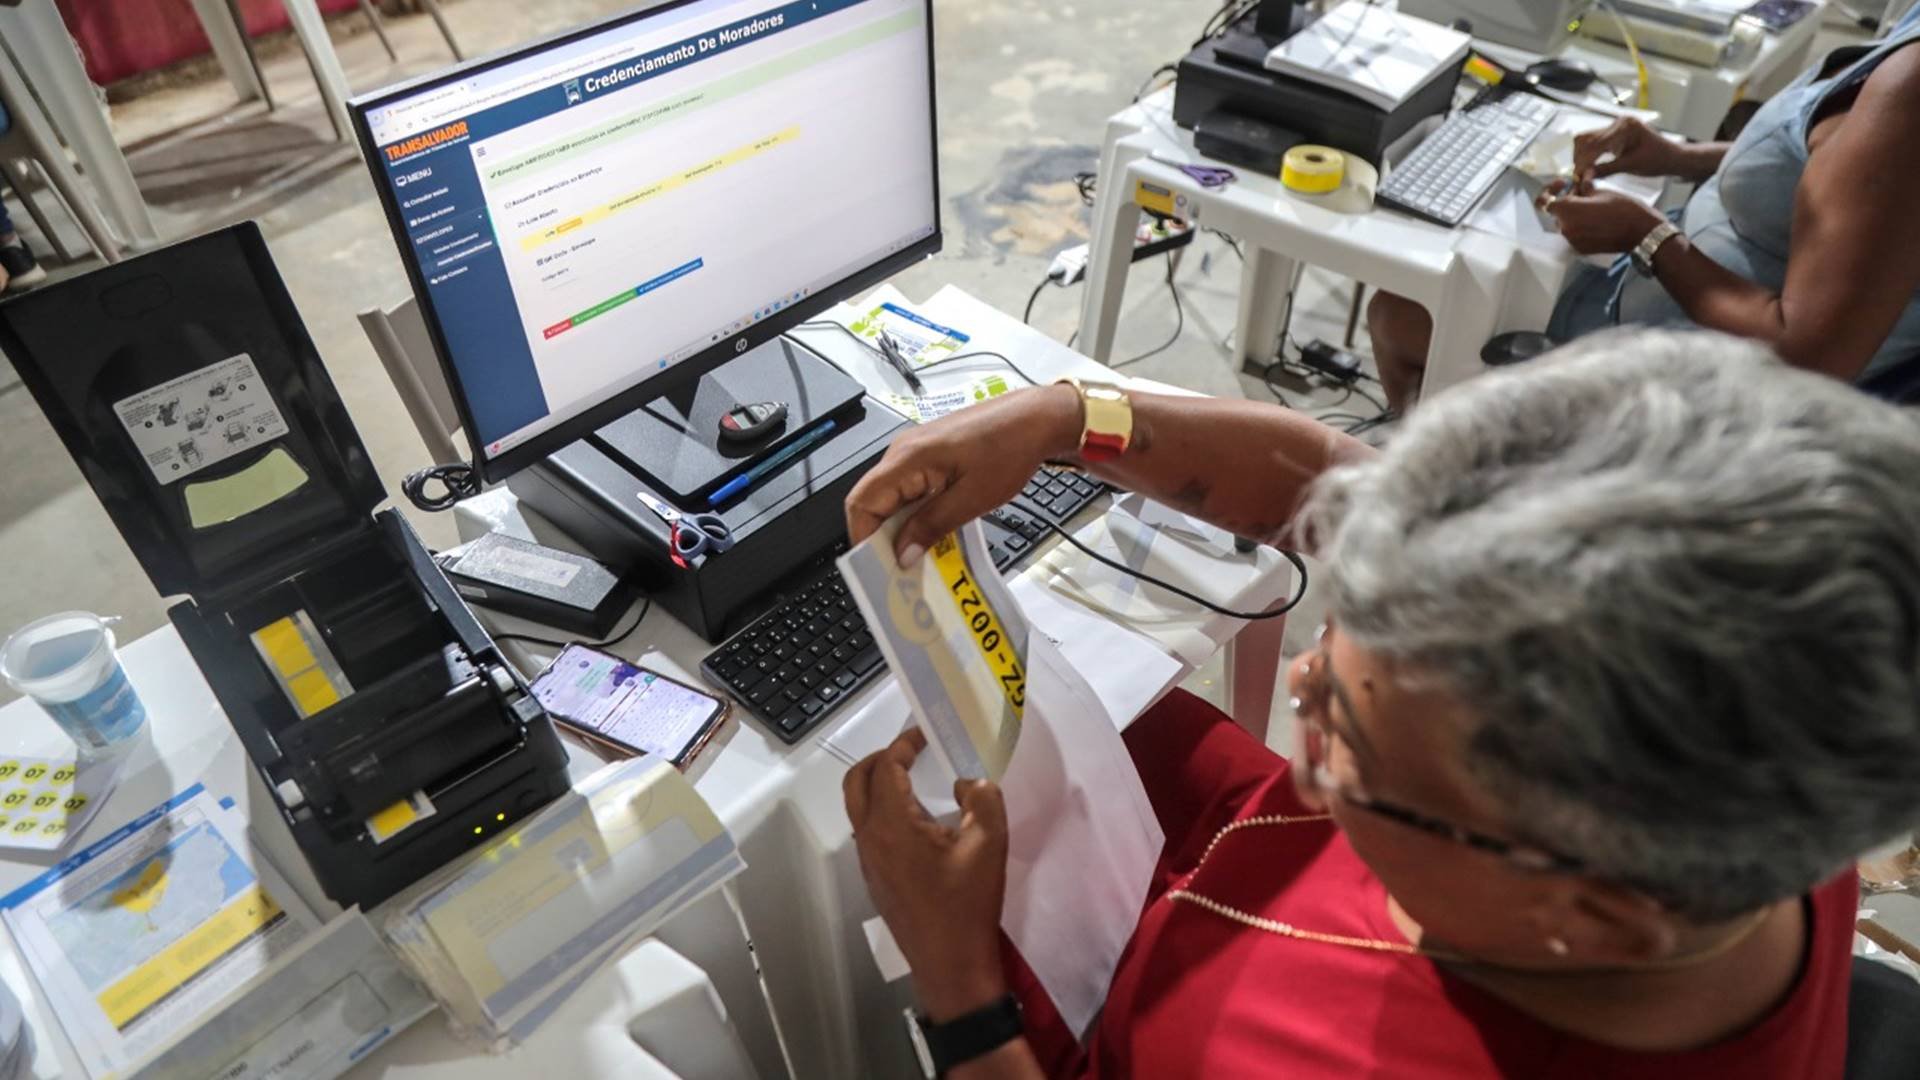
x=137, y=937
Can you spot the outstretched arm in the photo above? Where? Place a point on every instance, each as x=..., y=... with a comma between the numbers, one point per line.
x=1242, y=465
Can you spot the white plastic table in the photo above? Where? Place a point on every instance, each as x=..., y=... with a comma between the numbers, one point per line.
x=1475, y=281
x=683, y=1007
x=1693, y=100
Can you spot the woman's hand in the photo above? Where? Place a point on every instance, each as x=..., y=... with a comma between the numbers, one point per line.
x=939, y=889
x=1636, y=150
x=1599, y=222
x=963, y=465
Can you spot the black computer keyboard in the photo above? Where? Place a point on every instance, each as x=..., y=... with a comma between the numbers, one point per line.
x=1447, y=175
x=792, y=667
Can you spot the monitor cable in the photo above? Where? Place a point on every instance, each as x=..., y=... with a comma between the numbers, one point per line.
x=458, y=481
x=1299, y=567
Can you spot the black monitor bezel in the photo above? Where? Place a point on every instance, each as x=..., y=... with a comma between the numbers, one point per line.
x=681, y=375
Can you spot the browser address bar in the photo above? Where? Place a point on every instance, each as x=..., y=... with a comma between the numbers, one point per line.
x=449, y=102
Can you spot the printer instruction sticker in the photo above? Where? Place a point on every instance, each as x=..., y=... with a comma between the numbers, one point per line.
x=202, y=418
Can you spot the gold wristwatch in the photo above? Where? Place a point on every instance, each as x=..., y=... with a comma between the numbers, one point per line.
x=1106, y=427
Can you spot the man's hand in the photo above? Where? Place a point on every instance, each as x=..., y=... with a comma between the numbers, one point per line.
x=1628, y=146
x=963, y=465
x=939, y=889
x=1599, y=222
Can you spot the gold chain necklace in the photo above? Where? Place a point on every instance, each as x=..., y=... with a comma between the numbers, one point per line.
x=1401, y=948
x=1275, y=926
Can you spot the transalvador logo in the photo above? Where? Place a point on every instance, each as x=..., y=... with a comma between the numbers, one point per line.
x=740, y=346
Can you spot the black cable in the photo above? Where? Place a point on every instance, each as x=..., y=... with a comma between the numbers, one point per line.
x=1299, y=566
x=1044, y=282
x=1088, y=183
x=645, y=607
x=823, y=324
x=1157, y=72
x=460, y=480
x=982, y=354
x=1179, y=325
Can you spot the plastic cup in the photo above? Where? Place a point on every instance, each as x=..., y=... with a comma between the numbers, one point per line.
x=66, y=663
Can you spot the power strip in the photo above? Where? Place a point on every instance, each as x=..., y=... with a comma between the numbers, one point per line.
x=1154, y=237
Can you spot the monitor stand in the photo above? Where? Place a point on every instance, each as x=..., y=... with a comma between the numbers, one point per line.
x=669, y=449
x=676, y=440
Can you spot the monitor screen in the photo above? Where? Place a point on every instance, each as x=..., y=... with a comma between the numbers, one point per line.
x=595, y=219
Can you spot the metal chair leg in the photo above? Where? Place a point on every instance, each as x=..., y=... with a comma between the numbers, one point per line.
x=379, y=30
x=440, y=20
x=1353, y=316
x=16, y=179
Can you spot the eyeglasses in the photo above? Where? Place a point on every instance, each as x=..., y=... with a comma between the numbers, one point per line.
x=1319, y=688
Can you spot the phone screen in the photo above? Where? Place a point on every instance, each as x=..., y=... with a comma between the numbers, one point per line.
x=622, y=703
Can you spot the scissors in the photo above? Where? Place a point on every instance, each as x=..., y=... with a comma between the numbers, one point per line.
x=1207, y=176
x=693, y=535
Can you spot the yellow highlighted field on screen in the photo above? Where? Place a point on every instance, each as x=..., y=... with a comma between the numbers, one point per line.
x=179, y=962
x=535, y=240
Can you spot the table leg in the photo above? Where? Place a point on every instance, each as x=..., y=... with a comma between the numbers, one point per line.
x=1253, y=672
x=1265, y=280
x=1464, y=320
x=38, y=42
x=327, y=73
x=229, y=38
x=1115, y=220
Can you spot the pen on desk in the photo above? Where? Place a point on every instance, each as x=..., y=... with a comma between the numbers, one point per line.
x=890, y=349
x=752, y=476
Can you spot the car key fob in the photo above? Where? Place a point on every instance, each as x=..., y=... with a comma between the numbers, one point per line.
x=749, y=423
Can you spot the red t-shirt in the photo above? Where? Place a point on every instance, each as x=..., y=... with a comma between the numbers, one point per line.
x=1198, y=995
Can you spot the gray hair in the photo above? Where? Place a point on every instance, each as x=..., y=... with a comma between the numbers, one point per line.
x=1676, y=584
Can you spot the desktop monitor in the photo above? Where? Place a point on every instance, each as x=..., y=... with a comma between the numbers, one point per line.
x=596, y=220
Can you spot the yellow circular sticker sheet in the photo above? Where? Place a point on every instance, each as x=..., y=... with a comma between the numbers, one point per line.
x=43, y=801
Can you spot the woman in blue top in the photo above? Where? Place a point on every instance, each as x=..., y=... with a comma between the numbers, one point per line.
x=18, y=269
x=1804, y=235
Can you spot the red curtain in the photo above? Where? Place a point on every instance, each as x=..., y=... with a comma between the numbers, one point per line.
x=126, y=37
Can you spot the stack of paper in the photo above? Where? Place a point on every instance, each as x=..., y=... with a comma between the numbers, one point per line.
x=503, y=936
x=137, y=938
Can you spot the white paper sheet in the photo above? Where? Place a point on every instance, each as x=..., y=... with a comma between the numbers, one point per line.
x=136, y=937
x=1082, y=839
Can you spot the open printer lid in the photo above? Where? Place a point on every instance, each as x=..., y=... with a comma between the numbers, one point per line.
x=185, y=386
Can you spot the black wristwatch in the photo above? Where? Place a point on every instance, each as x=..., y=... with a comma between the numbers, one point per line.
x=941, y=1047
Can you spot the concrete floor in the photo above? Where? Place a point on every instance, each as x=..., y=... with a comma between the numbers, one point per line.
x=1024, y=91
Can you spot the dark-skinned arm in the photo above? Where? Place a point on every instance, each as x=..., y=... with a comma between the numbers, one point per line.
x=1241, y=465
x=1854, y=264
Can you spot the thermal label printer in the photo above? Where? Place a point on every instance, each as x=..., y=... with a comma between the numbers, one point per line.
x=389, y=730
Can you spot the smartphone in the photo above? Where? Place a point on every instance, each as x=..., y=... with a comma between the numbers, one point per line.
x=626, y=709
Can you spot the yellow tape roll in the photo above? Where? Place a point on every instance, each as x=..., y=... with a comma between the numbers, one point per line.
x=1313, y=170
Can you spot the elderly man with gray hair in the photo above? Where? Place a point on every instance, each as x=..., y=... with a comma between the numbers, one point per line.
x=1621, y=675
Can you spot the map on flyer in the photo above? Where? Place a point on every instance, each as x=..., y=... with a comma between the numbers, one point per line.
x=138, y=936
x=111, y=935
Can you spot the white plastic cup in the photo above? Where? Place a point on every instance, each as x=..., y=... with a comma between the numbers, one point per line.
x=67, y=664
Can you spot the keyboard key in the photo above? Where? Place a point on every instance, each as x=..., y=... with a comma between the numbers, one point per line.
x=845, y=680
x=812, y=679
x=788, y=673
x=828, y=693
x=865, y=660
x=838, y=634
x=810, y=707
x=782, y=651
x=793, y=692
x=842, y=654
x=860, y=640
x=761, y=693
